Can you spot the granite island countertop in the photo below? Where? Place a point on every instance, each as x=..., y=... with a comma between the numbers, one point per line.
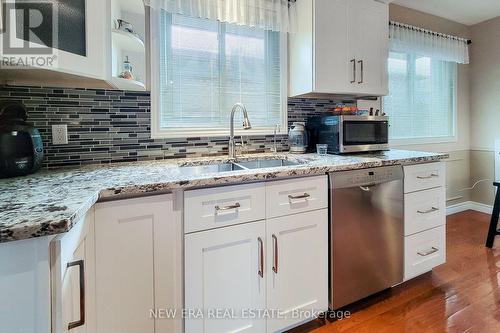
x=51, y=201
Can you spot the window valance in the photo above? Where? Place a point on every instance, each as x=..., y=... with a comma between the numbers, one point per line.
x=274, y=15
x=414, y=40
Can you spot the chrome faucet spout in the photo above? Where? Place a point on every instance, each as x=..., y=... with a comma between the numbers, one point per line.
x=246, y=126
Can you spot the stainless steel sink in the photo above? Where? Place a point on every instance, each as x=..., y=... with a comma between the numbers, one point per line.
x=209, y=168
x=259, y=164
x=235, y=166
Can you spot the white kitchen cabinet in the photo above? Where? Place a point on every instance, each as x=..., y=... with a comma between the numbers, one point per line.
x=138, y=244
x=424, y=176
x=25, y=286
x=279, y=265
x=340, y=47
x=424, y=251
x=425, y=218
x=73, y=278
x=291, y=196
x=297, y=268
x=424, y=210
x=84, y=56
x=216, y=207
x=224, y=270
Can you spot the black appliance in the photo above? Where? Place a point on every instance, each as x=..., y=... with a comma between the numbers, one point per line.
x=21, y=147
x=349, y=134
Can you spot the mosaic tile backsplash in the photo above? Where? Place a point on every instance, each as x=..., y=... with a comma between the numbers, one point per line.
x=109, y=126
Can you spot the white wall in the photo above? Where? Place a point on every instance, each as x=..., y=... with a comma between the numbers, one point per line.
x=485, y=105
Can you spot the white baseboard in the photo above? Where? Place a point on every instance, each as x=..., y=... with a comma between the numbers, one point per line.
x=469, y=205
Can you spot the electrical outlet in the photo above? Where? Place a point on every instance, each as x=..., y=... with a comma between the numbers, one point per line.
x=60, y=134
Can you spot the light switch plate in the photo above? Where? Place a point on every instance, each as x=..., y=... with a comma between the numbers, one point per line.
x=60, y=134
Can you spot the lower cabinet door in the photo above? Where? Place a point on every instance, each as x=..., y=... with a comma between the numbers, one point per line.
x=224, y=279
x=72, y=278
x=133, y=240
x=297, y=268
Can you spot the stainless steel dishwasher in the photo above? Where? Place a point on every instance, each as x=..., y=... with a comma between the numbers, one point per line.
x=366, y=233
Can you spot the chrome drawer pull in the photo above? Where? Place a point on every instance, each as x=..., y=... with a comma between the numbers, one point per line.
x=235, y=206
x=261, y=257
x=302, y=196
x=81, y=321
x=275, y=254
x=433, y=209
x=432, y=175
x=431, y=251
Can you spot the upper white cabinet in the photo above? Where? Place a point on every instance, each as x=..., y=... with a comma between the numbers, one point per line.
x=79, y=46
x=91, y=40
x=340, y=47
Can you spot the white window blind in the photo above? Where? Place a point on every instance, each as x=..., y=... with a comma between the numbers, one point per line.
x=421, y=100
x=207, y=66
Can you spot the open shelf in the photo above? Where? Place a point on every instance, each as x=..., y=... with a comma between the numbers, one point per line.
x=127, y=41
x=124, y=84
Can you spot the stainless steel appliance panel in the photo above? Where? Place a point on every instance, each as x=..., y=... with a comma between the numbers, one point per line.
x=367, y=235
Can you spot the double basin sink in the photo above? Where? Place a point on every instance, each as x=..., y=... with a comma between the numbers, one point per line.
x=236, y=166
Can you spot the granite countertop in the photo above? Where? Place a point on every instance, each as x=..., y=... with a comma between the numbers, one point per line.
x=51, y=201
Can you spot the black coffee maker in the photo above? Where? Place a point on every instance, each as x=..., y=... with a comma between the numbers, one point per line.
x=21, y=147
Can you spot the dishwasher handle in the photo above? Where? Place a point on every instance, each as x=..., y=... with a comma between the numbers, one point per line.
x=367, y=188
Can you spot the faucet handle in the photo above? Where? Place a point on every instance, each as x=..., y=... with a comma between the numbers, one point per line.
x=277, y=128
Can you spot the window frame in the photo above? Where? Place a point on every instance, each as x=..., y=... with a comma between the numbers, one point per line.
x=154, y=64
x=434, y=139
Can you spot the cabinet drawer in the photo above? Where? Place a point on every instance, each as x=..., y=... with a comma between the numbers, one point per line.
x=424, y=176
x=424, y=251
x=424, y=210
x=291, y=196
x=222, y=206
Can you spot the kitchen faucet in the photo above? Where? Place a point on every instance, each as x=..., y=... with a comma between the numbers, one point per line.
x=246, y=126
x=277, y=128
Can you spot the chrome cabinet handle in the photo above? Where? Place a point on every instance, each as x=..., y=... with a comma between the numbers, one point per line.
x=429, y=252
x=219, y=208
x=432, y=175
x=302, y=196
x=81, y=270
x=275, y=254
x=353, y=70
x=362, y=71
x=261, y=257
x=433, y=209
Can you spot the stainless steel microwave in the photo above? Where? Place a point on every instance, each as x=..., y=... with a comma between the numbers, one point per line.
x=349, y=134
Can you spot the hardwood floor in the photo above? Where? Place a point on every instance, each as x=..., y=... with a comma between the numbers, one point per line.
x=462, y=295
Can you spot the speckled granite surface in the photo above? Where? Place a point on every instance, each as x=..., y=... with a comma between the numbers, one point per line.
x=50, y=202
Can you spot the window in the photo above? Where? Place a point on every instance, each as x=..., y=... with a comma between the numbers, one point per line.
x=421, y=101
x=207, y=66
